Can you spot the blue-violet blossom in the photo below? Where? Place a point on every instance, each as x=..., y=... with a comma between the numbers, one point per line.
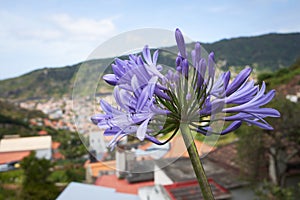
x=150, y=103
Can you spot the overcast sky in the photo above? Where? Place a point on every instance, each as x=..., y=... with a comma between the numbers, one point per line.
x=54, y=33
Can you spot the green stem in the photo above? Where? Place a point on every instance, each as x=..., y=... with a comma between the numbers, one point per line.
x=196, y=162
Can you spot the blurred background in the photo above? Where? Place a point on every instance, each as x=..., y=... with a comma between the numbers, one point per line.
x=43, y=44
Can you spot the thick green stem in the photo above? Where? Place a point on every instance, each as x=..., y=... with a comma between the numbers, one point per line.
x=196, y=162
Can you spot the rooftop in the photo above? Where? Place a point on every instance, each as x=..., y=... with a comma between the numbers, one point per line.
x=55, y=145
x=80, y=191
x=181, y=170
x=7, y=157
x=101, y=166
x=190, y=190
x=121, y=185
x=25, y=143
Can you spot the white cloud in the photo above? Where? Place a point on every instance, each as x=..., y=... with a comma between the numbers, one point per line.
x=57, y=40
x=84, y=27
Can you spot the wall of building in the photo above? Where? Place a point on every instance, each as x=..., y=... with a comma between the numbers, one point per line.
x=160, y=177
x=44, y=153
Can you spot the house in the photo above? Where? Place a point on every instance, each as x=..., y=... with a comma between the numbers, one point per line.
x=40, y=144
x=129, y=157
x=56, y=155
x=96, y=169
x=43, y=132
x=188, y=190
x=121, y=185
x=97, y=144
x=80, y=191
x=220, y=169
x=10, y=160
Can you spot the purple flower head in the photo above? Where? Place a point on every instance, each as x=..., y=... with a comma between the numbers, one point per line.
x=150, y=103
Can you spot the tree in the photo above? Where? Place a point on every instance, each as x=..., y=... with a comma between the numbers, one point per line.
x=35, y=183
x=275, y=149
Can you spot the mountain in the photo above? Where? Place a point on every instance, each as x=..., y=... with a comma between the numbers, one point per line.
x=15, y=120
x=286, y=80
x=265, y=53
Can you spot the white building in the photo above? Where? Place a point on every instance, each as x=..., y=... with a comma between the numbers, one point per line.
x=40, y=144
x=97, y=144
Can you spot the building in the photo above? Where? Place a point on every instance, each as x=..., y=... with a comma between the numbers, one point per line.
x=97, y=144
x=80, y=191
x=40, y=144
x=122, y=185
x=132, y=158
x=97, y=169
x=10, y=160
x=188, y=190
x=178, y=175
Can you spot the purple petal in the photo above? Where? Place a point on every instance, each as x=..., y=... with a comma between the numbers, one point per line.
x=135, y=86
x=180, y=43
x=111, y=131
x=259, y=124
x=233, y=126
x=117, y=70
x=178, y=61
x=201, y=72
x=147, y=55
x=153, y=139
x=141, y=131
x=211, y=65
x=110, y=79
x=105, y=106
x=98, y=117
x=118, y=98
x=226, y=79
x=185, y=68
x=142, y=99
x=120, y=63
x=161, y=94
x=270, y=112
x=197, y=52
x=155, y=57
x=239, y=80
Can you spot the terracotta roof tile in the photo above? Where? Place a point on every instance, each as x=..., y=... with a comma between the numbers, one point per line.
x=13, y=156
x=122, y=186
x=55, y=145
x=101, y=166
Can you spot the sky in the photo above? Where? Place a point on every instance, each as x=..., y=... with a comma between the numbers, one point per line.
x=55, y=33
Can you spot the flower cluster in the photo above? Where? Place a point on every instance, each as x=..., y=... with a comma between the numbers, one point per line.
x=150, y=103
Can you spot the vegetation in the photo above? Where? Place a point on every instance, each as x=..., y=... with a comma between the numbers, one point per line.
x=264, y=53
x=275, y=192
x=260, y=150
x=282, y=76
x=15, y=120
x=36, y=178
x=36, y=184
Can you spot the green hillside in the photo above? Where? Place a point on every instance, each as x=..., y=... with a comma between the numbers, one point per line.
x=266, y=53
x=15, y=120
x=41, y=83
x=286, y=80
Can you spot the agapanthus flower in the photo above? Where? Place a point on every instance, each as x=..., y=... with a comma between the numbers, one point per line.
x=150, y=103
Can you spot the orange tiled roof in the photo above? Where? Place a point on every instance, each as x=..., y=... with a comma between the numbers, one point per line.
x=13, y=156
x=55, y=145
x=58, y=156
x=122, y=186
x=101, y=166
x=42, y=132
